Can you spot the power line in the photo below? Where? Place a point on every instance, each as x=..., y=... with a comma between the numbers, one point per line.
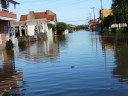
x=40, y=5
x=75, y=21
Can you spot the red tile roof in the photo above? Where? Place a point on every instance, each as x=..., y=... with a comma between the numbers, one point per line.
x=93, y=21
x=23, y=18
x=39, y=15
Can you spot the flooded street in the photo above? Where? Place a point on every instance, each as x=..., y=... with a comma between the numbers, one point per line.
x=78, y=64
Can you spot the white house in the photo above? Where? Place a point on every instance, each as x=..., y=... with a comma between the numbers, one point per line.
x=34, y=24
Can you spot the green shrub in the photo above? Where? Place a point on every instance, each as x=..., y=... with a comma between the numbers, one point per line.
x=9, y=45
x=61, y=27
x=21, y=43
x=54, y=29
x=121, y=30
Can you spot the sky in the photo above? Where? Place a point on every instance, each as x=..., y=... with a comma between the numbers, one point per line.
x=70, y=11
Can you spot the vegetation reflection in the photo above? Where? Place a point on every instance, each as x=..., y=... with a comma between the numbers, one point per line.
x=119, y=44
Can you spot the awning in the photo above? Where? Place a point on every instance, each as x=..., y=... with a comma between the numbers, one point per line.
x=12, y=1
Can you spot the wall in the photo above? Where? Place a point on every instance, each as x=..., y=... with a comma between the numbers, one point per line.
x=7, y=15
x=2, y=32
x=2, y=40
x=106, y=12
x=31, y=28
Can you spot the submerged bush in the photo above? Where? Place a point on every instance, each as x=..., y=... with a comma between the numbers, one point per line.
x=9, y=45
x=21, y=43
x=121, y=30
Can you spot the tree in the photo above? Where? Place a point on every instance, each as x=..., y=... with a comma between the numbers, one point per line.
x=61, y=27
x=108, y=21
x=82, y=27
x=9, y=45
x=120, y=10
x=54, y=28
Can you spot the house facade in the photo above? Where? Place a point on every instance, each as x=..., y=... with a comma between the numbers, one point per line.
x=104, y=13
x=6, y=16
x=93, y=24
x=34, y=24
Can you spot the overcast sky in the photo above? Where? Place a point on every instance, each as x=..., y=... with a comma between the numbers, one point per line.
x=69, y=11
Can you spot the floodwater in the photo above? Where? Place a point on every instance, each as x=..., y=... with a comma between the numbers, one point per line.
x=79, y=64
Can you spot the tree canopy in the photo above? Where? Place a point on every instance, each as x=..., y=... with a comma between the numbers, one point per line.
x=108, y=21
x=120, y=10
x=83, y=27
x=61, y=27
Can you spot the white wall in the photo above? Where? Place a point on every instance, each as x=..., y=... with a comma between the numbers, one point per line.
x=46, y=27
x=66, y=32
x=31, y=29
x=119, y=25
x=43, y=28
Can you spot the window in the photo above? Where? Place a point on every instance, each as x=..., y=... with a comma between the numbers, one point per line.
x=4, y=4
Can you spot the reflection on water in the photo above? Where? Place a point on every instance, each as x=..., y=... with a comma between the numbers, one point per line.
x=9, y=76
x=118, y=43
x=47, y=49
x=79, y=64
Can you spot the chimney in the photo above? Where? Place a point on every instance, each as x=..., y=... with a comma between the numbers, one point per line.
x=31, y=15
x=48, y=12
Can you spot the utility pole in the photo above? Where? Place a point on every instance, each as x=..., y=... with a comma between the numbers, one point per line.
x=101, y=13
x=90, y=16
x=94, y=25
x=93, y=11
x=101, y=10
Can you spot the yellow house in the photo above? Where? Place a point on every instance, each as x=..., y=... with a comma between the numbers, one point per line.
x=105, y=12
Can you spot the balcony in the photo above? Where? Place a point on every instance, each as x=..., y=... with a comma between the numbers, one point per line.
x=5, y=15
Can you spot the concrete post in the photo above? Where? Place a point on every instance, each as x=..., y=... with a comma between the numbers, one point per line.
x=20, y=31
x=14, y=31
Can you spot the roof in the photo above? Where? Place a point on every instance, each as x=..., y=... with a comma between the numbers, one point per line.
x=23, y=18
x=39, y=15
x=12, y=1
x=71, y=25
x=93, y=21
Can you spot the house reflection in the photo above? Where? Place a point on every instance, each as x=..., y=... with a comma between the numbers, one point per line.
x=118, y=44
x=62, y=41
x=46, y=49
x=9, y=77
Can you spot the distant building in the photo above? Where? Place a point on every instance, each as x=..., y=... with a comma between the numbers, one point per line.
x=6, y=15
x=105, y=12
x=34, y=24
x=71, y=27
x=93, y=24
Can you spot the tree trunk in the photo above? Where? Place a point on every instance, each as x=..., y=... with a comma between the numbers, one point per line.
x=126, y=21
